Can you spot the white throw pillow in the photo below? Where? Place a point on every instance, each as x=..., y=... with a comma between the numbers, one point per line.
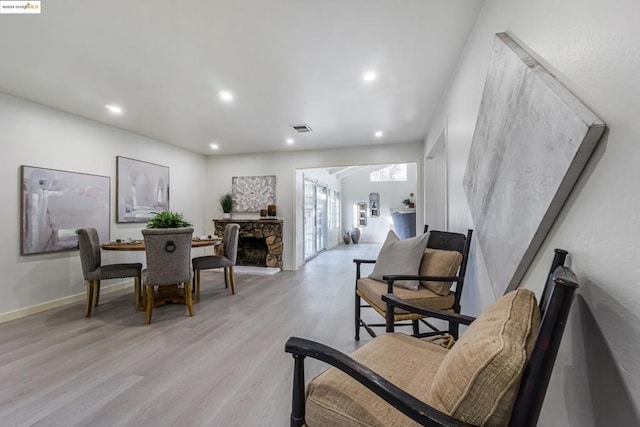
x=400, y=257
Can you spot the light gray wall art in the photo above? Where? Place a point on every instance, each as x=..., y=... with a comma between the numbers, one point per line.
x=55, y=203
x=252, y=193
x=532, y=139
x=142, y=189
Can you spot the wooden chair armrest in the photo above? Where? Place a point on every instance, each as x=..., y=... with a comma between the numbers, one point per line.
x=396, y=397
x=359, y=262
x=394, y=301
x=364, y=261
x=395, y=277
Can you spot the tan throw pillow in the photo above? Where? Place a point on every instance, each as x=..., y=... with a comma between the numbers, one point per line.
x=478, y=380
x=438, y=262
x=400, y=257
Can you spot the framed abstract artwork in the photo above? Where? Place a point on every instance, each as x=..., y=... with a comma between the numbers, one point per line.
x=142, y=189
x=252, y=193
x=55, y=203
x=532, y=139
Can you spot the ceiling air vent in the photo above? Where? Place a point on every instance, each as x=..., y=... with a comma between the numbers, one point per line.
x=302, y=128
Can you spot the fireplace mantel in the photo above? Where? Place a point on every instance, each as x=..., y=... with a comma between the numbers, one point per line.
x=268, y=229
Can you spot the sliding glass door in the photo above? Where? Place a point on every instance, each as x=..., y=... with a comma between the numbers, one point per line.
x=315, y=218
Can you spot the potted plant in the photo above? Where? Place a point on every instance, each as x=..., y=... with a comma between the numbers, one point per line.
x=167, y=219
x=409, y=203
x=226, y=204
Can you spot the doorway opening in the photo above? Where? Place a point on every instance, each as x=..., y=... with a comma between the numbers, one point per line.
x=331, y=201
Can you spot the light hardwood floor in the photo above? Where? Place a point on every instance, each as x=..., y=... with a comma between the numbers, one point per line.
x=226, y=366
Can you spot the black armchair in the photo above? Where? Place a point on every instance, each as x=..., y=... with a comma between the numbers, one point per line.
x=443, y=263
x=412, y=383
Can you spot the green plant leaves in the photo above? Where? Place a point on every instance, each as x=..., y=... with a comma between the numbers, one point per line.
x=226, y=202
x=167, y=219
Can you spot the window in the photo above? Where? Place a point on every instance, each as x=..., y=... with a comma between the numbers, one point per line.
x=390, y=173
x=334, y=209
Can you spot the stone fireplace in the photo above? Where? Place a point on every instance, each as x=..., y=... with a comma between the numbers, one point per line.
x=260, y=241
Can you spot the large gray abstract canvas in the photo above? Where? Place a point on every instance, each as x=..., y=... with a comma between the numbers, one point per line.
x=55, y=203
x=532, y=139
x=142, y=189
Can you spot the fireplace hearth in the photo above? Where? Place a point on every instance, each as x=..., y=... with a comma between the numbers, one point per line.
x=260, y=241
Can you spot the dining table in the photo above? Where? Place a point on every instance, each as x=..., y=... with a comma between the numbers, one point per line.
x=138, y=245
x=166, y=293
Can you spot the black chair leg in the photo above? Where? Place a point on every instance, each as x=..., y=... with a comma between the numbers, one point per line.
x=453, y=330
x=416, y=326
x=357, y=317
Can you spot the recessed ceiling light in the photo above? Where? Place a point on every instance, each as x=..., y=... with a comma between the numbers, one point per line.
x=214, y=146
x=113, y=109
x=290, y=141
x=369, y=76
x=379, y=134
x=225, y=95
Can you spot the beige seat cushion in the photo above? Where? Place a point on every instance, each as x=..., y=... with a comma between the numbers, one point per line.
x=372, y=291
x=438, y=262
x=477, y=382
x=335, y=399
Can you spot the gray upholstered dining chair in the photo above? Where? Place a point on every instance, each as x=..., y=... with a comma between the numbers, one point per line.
x=227, y=260
x=168, y=263
x=93, y=270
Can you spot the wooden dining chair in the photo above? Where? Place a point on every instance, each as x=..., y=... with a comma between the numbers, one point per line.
x=226, y=261
x=93, y=270
x=168, y=253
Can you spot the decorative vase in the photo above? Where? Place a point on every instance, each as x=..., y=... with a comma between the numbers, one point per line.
x=355, y=235
x=346, y=237
x=226, y=215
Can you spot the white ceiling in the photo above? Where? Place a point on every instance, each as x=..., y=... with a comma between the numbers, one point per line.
x=287, y=62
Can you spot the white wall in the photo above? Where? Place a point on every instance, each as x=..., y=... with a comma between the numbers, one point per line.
x=34, y=135
x=593, y=48
x=222, y=168
x=356, y=188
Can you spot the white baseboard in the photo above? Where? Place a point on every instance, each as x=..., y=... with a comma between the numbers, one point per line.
x=39, y=308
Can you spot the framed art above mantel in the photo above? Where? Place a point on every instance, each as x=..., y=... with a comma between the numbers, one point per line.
x=252, y=193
